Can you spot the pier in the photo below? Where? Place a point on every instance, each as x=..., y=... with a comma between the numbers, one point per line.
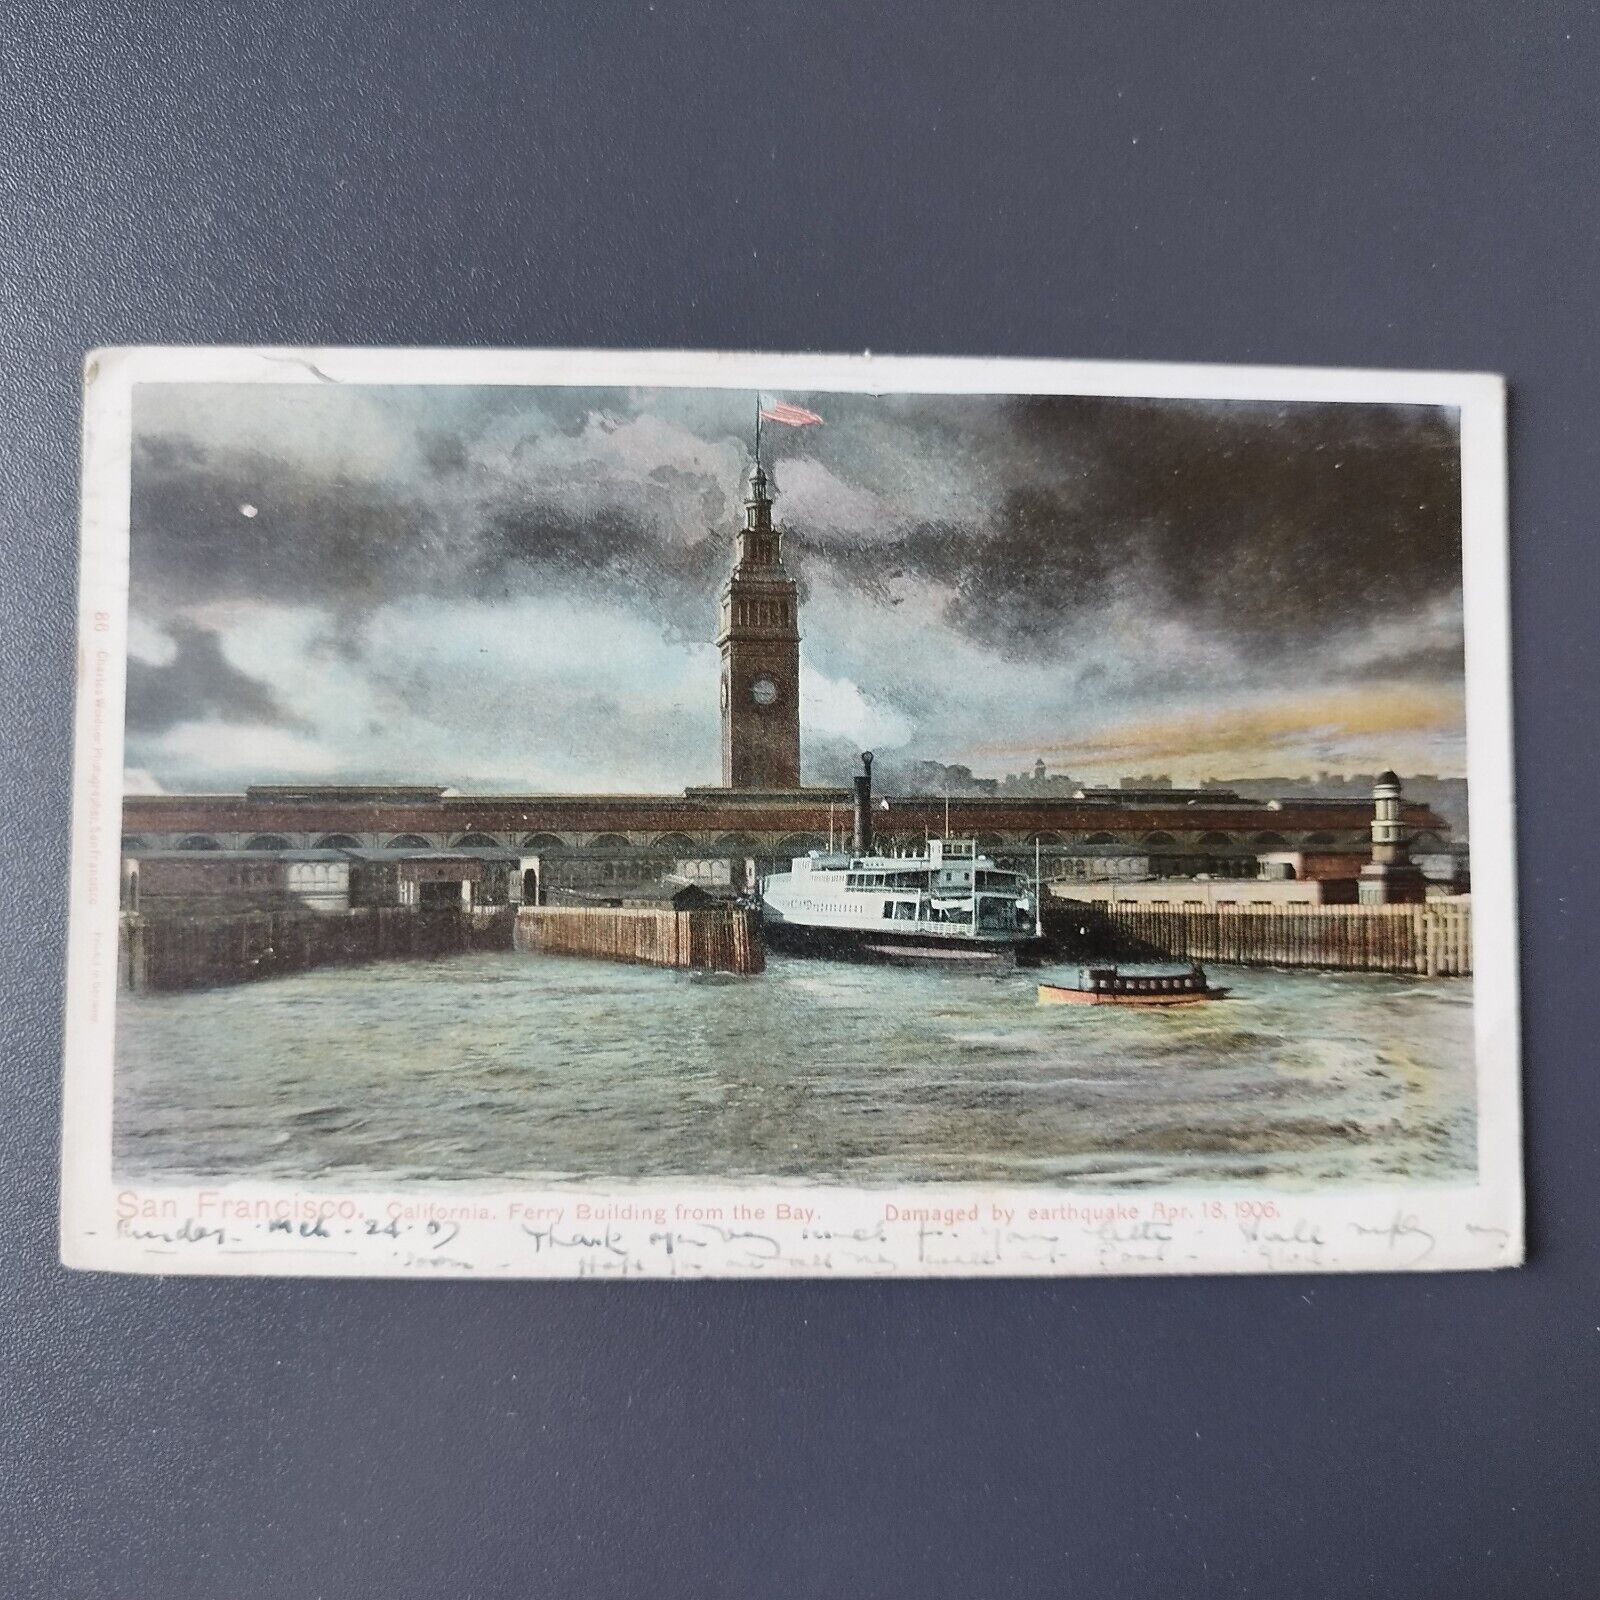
x=1431, y=939
x=189, y=951
x=721, y=938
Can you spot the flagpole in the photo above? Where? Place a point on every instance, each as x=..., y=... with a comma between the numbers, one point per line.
x=758, y=428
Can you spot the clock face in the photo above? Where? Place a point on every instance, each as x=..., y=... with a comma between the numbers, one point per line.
x=763, y=691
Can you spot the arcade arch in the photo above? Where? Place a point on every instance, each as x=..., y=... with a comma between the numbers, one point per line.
x=544, y=843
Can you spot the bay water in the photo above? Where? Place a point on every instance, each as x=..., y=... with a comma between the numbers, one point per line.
x=497, y=1067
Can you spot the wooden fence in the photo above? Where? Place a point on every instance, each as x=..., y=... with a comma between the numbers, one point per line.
x=714, y=938
x=1434, y=938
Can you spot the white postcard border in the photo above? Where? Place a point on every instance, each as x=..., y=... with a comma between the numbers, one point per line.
x=765, y=1228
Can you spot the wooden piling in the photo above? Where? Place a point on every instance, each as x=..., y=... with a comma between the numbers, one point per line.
x=1433, y=939
x=711, y=938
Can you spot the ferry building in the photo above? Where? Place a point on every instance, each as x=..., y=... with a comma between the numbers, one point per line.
x=761, y=813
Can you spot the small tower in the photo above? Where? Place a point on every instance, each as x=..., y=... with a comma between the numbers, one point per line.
x=758, y=635
x=1390, y=878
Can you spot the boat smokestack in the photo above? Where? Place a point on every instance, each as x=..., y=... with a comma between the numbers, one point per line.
x=861, y=840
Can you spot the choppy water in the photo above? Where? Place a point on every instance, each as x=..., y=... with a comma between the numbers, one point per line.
x=496, y=1066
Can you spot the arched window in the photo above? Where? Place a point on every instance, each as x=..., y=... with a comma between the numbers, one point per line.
x=266, y=841
x=1427, y=841
x=476, y=841
x=1044, y=838
x=545, y=843
x=675, y=844
x=408, y=841
x=1159, y=841
x=199, y=841
x=132, y=842
x=1216, y=841
x=988, y=843
x=797, y=844
x=1318, y=841
x=608, y=841
x=736, y=841
x=1271, y=841
x=1100, y=838
x=338, y=841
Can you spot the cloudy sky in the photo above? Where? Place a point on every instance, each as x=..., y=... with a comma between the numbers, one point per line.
x=515, y=588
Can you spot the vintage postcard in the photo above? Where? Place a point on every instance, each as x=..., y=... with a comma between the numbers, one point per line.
x=607, y=814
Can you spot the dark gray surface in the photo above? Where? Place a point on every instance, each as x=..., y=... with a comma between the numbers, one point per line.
x=1382, y=185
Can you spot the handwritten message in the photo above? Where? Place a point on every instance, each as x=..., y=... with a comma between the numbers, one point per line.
x=581, y=1232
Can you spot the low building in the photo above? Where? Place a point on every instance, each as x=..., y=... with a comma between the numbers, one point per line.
x=567, y=877
x=1109, y=861
x=176, y=881
x=1448, y=870
x=1315, y=866
x=431, y=879
x=664, y=894
x=1213, y=894
x=669, y=895
x=173, y=882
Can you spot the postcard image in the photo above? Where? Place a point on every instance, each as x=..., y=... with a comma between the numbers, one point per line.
x=618, y=814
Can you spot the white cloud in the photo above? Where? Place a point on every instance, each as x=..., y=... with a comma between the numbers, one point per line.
x=837, y=708
x=240, y=747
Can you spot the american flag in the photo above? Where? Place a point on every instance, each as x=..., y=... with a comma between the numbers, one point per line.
x=790, y=416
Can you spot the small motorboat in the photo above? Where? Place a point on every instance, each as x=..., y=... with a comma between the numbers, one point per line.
x=1147, y=984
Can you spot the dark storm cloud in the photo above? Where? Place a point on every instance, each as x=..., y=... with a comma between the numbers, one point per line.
x=608, y=552
x=444, y=526
x=199, y=683
x=1259, y=523
x=323, y=539
x=1435, y=662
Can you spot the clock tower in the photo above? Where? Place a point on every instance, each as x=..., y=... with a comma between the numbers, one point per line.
x=759, y=636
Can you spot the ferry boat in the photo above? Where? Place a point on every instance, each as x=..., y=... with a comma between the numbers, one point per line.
x=1102, y=983
x=946, y=901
